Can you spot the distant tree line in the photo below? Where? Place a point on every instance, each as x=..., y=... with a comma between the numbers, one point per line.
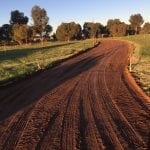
x=18, y=31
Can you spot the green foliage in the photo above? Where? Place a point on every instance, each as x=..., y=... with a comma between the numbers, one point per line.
x=18, y=17
x=68, y=31
x=116, y=27
x=26, y=59
x=141, y=59
x=40, y=19
x=20, y=33
x=111, y=22
x=130, y=30
x=136, y=21
x=144, y=42
x=48, y=29
x=142, y=68
x=30, y=33
x=146, y=28
x=92, y=30
x=5, y=33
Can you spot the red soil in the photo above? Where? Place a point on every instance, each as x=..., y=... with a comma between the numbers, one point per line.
x=88, y=102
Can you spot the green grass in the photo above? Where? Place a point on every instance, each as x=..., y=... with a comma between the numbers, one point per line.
x=22, y=60
x=143, y=41
x=141, y=60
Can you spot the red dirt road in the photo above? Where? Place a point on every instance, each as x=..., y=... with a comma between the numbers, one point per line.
x=88, y=102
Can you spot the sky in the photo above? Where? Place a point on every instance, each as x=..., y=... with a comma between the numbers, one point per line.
x=79, y=11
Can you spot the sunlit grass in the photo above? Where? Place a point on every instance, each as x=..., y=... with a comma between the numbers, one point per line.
x=22, y=60
x=141, y=60
x=143, y=41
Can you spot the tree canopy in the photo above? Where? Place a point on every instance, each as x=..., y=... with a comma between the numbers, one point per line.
x=146, y=28
x=116, y=27
x=40, y=19
x=18, y=17
x=92, y=30
x=136, y=21
x=19, y=30
x=5, y=32
x=20, y=33
x=48, y=29
x=68, y=31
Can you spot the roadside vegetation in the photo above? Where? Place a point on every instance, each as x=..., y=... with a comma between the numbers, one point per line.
x=27, y=48
x=140, y=60
x=19, y=61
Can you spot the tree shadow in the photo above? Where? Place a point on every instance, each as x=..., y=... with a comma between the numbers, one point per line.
x=27, y=92
x=19, y=53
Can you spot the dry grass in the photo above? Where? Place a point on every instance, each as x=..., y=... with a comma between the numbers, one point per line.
x=141, y=60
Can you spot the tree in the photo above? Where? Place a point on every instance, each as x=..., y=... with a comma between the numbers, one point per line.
x=116, y=27
x=48, y=29
x=19, y=26
x=40, y=19
x=104, y=31
x=130, y=30
x=53, y=37
x=5, y=33
x=136, y=21
x=146, y=28
x=76, y=31
x=20, y=33
x=18, y=17
x=111, y=22
x=92, y=30
x=30, y=33
x=68, y=31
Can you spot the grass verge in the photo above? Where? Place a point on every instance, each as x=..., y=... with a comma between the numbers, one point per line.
x=140, y=60
x=21, y=61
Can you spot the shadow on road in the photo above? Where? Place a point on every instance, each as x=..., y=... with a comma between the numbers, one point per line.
x=19, y=53
x=28, y=92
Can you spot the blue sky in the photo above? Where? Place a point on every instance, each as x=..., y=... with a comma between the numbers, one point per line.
x=78, y=10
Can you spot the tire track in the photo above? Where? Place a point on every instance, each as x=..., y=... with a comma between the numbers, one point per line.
x=11, y=135
x=64, y=121
x=41, y=118
x=109, y=138
x=84, y=103
x=134, y=140
x=90, y=138
x=133, y=115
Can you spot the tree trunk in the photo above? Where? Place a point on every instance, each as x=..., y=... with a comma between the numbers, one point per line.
x=68, y=39
x=93, y=41
x=136, y=30
x=42, y=40
x=19, y=42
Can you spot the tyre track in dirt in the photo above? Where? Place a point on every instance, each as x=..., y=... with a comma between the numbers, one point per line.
x=86, y=102
x=44, y=121
x=11, y=135
x=103, y=120
x=51, y=99
x=127, y=131
x=135, y=104
x=89, y=135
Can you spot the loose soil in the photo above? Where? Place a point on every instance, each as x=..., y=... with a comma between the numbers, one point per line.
x=87, y=102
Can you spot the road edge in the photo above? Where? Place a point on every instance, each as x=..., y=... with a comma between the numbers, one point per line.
x=12, y=81
x=132, y=82
x=130, y=78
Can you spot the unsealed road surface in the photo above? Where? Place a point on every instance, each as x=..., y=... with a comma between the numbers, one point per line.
x=87, y=102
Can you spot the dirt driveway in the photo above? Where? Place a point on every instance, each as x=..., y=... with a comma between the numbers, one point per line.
x=88, y=102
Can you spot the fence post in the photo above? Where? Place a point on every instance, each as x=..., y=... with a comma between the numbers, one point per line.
x=130, y=65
